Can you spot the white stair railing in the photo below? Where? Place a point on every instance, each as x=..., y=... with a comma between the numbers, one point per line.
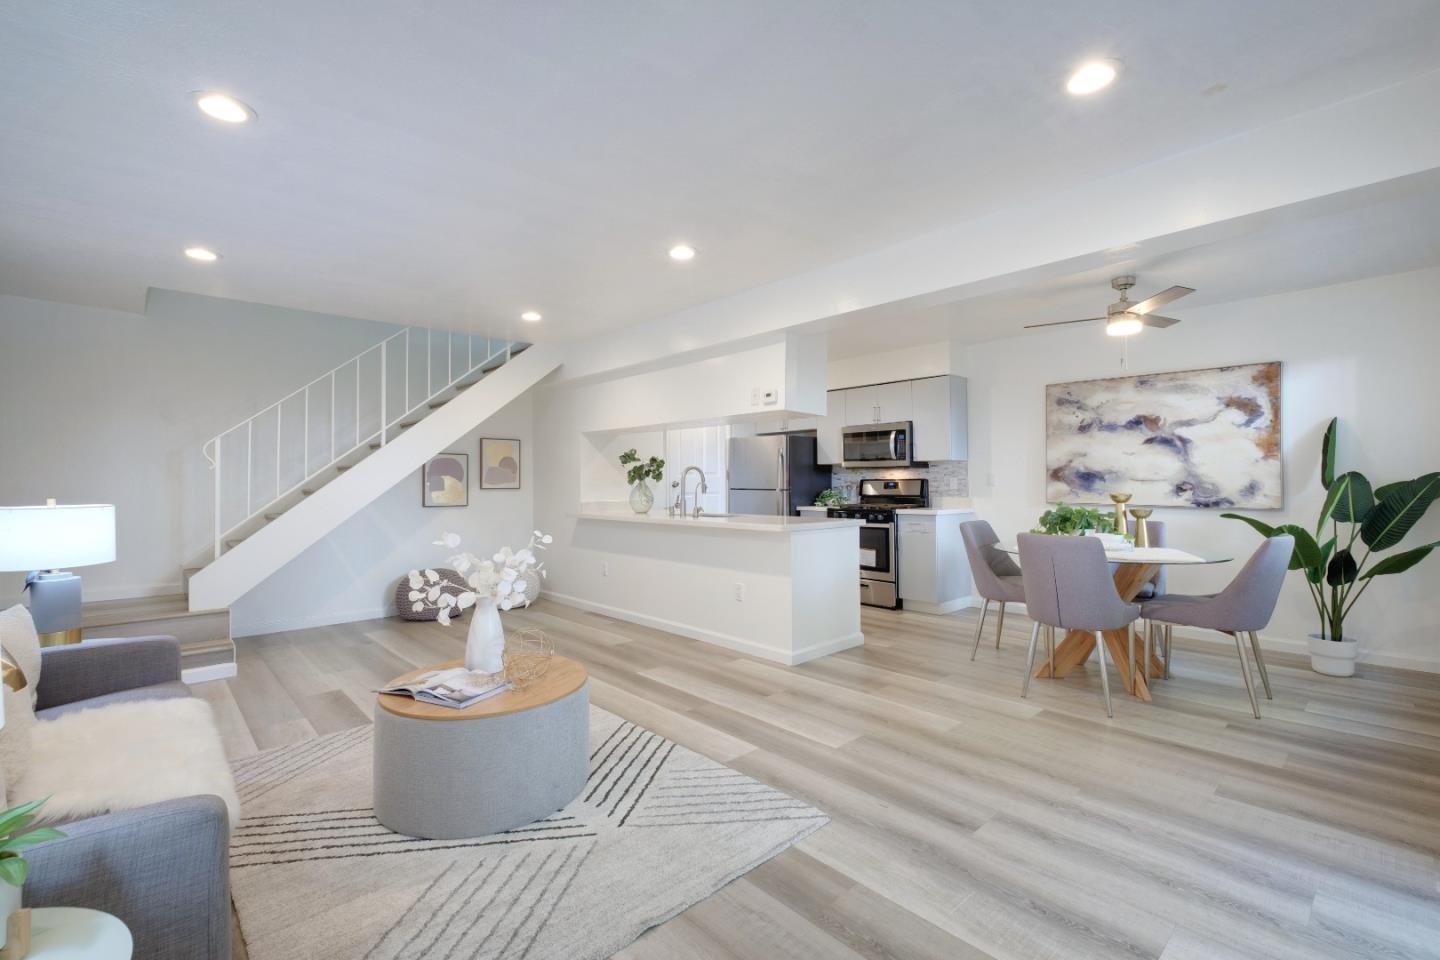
x=389, y=404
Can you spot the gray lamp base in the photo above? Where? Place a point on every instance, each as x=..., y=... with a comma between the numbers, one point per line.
x=55, y=607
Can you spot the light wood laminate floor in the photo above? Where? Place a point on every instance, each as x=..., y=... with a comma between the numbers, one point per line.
x=969, y=823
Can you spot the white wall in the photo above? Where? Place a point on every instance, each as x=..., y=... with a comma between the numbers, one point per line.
x=1366, y=352
x=351, y=574
x=109, y=407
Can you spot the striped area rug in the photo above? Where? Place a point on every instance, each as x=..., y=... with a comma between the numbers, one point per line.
x=656, y=828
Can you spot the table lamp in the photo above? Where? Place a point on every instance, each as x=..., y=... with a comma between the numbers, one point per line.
x=44, y=539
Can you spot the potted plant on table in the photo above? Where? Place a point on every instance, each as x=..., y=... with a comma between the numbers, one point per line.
x=642, y=498
x=14, y=837
x=1361, y=521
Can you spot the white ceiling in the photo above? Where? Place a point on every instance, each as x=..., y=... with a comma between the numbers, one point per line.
x=1386, y=228
x=455, y=162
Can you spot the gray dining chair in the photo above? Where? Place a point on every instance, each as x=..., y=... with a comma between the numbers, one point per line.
x=997, y=578
x=1068, y=587
x=1243, y=607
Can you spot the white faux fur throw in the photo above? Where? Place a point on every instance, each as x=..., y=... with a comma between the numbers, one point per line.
x=126, y=755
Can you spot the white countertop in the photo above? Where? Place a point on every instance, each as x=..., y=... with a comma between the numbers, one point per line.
x=724, y=523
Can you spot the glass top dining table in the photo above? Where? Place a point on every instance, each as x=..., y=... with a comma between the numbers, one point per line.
x=1134, y=567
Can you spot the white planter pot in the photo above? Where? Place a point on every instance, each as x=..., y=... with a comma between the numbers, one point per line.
x=485, y=644
x=9, y=903
x=1331, y=658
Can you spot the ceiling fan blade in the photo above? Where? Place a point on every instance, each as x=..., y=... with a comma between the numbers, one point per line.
x=1160, y=299
x=1155, y=320
x=1061, y=323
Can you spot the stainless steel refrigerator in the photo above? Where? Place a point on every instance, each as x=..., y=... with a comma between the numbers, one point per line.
x=774, y=475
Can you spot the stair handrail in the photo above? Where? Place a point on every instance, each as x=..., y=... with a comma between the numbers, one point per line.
x=212, y=449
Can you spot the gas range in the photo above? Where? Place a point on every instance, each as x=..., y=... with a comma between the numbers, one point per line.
x=879, y=547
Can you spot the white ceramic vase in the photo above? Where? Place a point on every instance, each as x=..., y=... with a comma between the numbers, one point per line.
x=1331, y=658
x=485, y=644
x=9, y=903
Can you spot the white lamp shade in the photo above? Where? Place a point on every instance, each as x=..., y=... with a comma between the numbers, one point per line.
x=50, y=538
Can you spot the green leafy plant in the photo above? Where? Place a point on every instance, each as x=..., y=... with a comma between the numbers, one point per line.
x=829, y=498
x=14, y=837
x=652, y=469
x=1361, y=520
x=1065, y=519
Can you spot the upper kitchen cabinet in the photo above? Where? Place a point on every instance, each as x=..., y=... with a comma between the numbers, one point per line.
x=940, y=419
x=935, y=406
x=881, y=403
x=861, y=406
x=895, y=401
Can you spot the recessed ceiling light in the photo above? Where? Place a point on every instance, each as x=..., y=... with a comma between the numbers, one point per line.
x=204, y=254
x=223, y=107
x=1093, y=76
x=530, y=316
x=682, y=251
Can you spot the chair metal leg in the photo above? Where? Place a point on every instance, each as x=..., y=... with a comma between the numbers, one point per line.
x=1260, y=661
x=1030, y=660
x=999, y=624
x=984, y=609
x=1104, y=673
x=1130, y=655
x=1050, y=649
x=1245, y=672
x=1167, y=651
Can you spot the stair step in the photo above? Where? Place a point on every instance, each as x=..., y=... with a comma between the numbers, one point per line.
x=407, y=424
x=342, y=467
x=437, y=404
x=308, y=491
x=275, y=516
x=518, y=349
x=232, y=544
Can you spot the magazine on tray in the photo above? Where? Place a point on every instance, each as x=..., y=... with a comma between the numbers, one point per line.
x=456, y=687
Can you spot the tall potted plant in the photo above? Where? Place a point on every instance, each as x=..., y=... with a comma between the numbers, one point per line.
x=1361, y=521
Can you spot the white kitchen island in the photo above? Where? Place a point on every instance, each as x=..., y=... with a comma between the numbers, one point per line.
x=781, y=588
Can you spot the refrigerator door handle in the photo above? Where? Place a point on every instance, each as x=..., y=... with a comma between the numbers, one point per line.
x=780, y=482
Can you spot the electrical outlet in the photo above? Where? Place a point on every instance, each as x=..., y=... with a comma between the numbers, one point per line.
x=739, y=593
x=755, y=397
x=604, y=568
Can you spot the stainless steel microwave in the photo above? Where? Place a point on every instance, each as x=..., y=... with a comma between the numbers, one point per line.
x=877, y=445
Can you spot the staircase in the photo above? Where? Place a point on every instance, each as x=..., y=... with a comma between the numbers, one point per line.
x=290, y=474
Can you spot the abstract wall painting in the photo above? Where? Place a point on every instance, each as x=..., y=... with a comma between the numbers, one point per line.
x=499, y=464
x=445, y=481
x=1193, y=438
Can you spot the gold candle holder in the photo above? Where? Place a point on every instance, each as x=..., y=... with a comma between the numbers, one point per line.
x=1142, y=534
x=1120, y=500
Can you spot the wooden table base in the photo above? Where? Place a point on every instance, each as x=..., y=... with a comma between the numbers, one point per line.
x=1077, y=646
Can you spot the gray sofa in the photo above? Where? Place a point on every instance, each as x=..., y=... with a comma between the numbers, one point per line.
x=164, y=868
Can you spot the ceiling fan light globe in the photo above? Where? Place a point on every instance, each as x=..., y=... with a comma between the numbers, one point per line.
x=1123, y=326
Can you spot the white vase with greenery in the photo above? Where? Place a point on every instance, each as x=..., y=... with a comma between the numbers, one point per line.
x=642, y=498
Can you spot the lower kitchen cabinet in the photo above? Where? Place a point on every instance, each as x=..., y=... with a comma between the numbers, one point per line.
x=934, y=572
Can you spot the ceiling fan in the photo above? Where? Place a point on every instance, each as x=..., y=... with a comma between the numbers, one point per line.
x=1123, y=318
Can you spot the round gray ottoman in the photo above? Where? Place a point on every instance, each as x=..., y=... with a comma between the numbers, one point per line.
x=443, y=774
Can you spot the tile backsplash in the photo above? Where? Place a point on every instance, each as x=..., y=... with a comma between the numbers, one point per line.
x=949, y=479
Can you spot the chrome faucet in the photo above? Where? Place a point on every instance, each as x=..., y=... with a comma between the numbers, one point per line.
x=685, y=475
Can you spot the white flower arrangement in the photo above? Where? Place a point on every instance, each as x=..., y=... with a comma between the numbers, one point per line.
x=494, y=579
